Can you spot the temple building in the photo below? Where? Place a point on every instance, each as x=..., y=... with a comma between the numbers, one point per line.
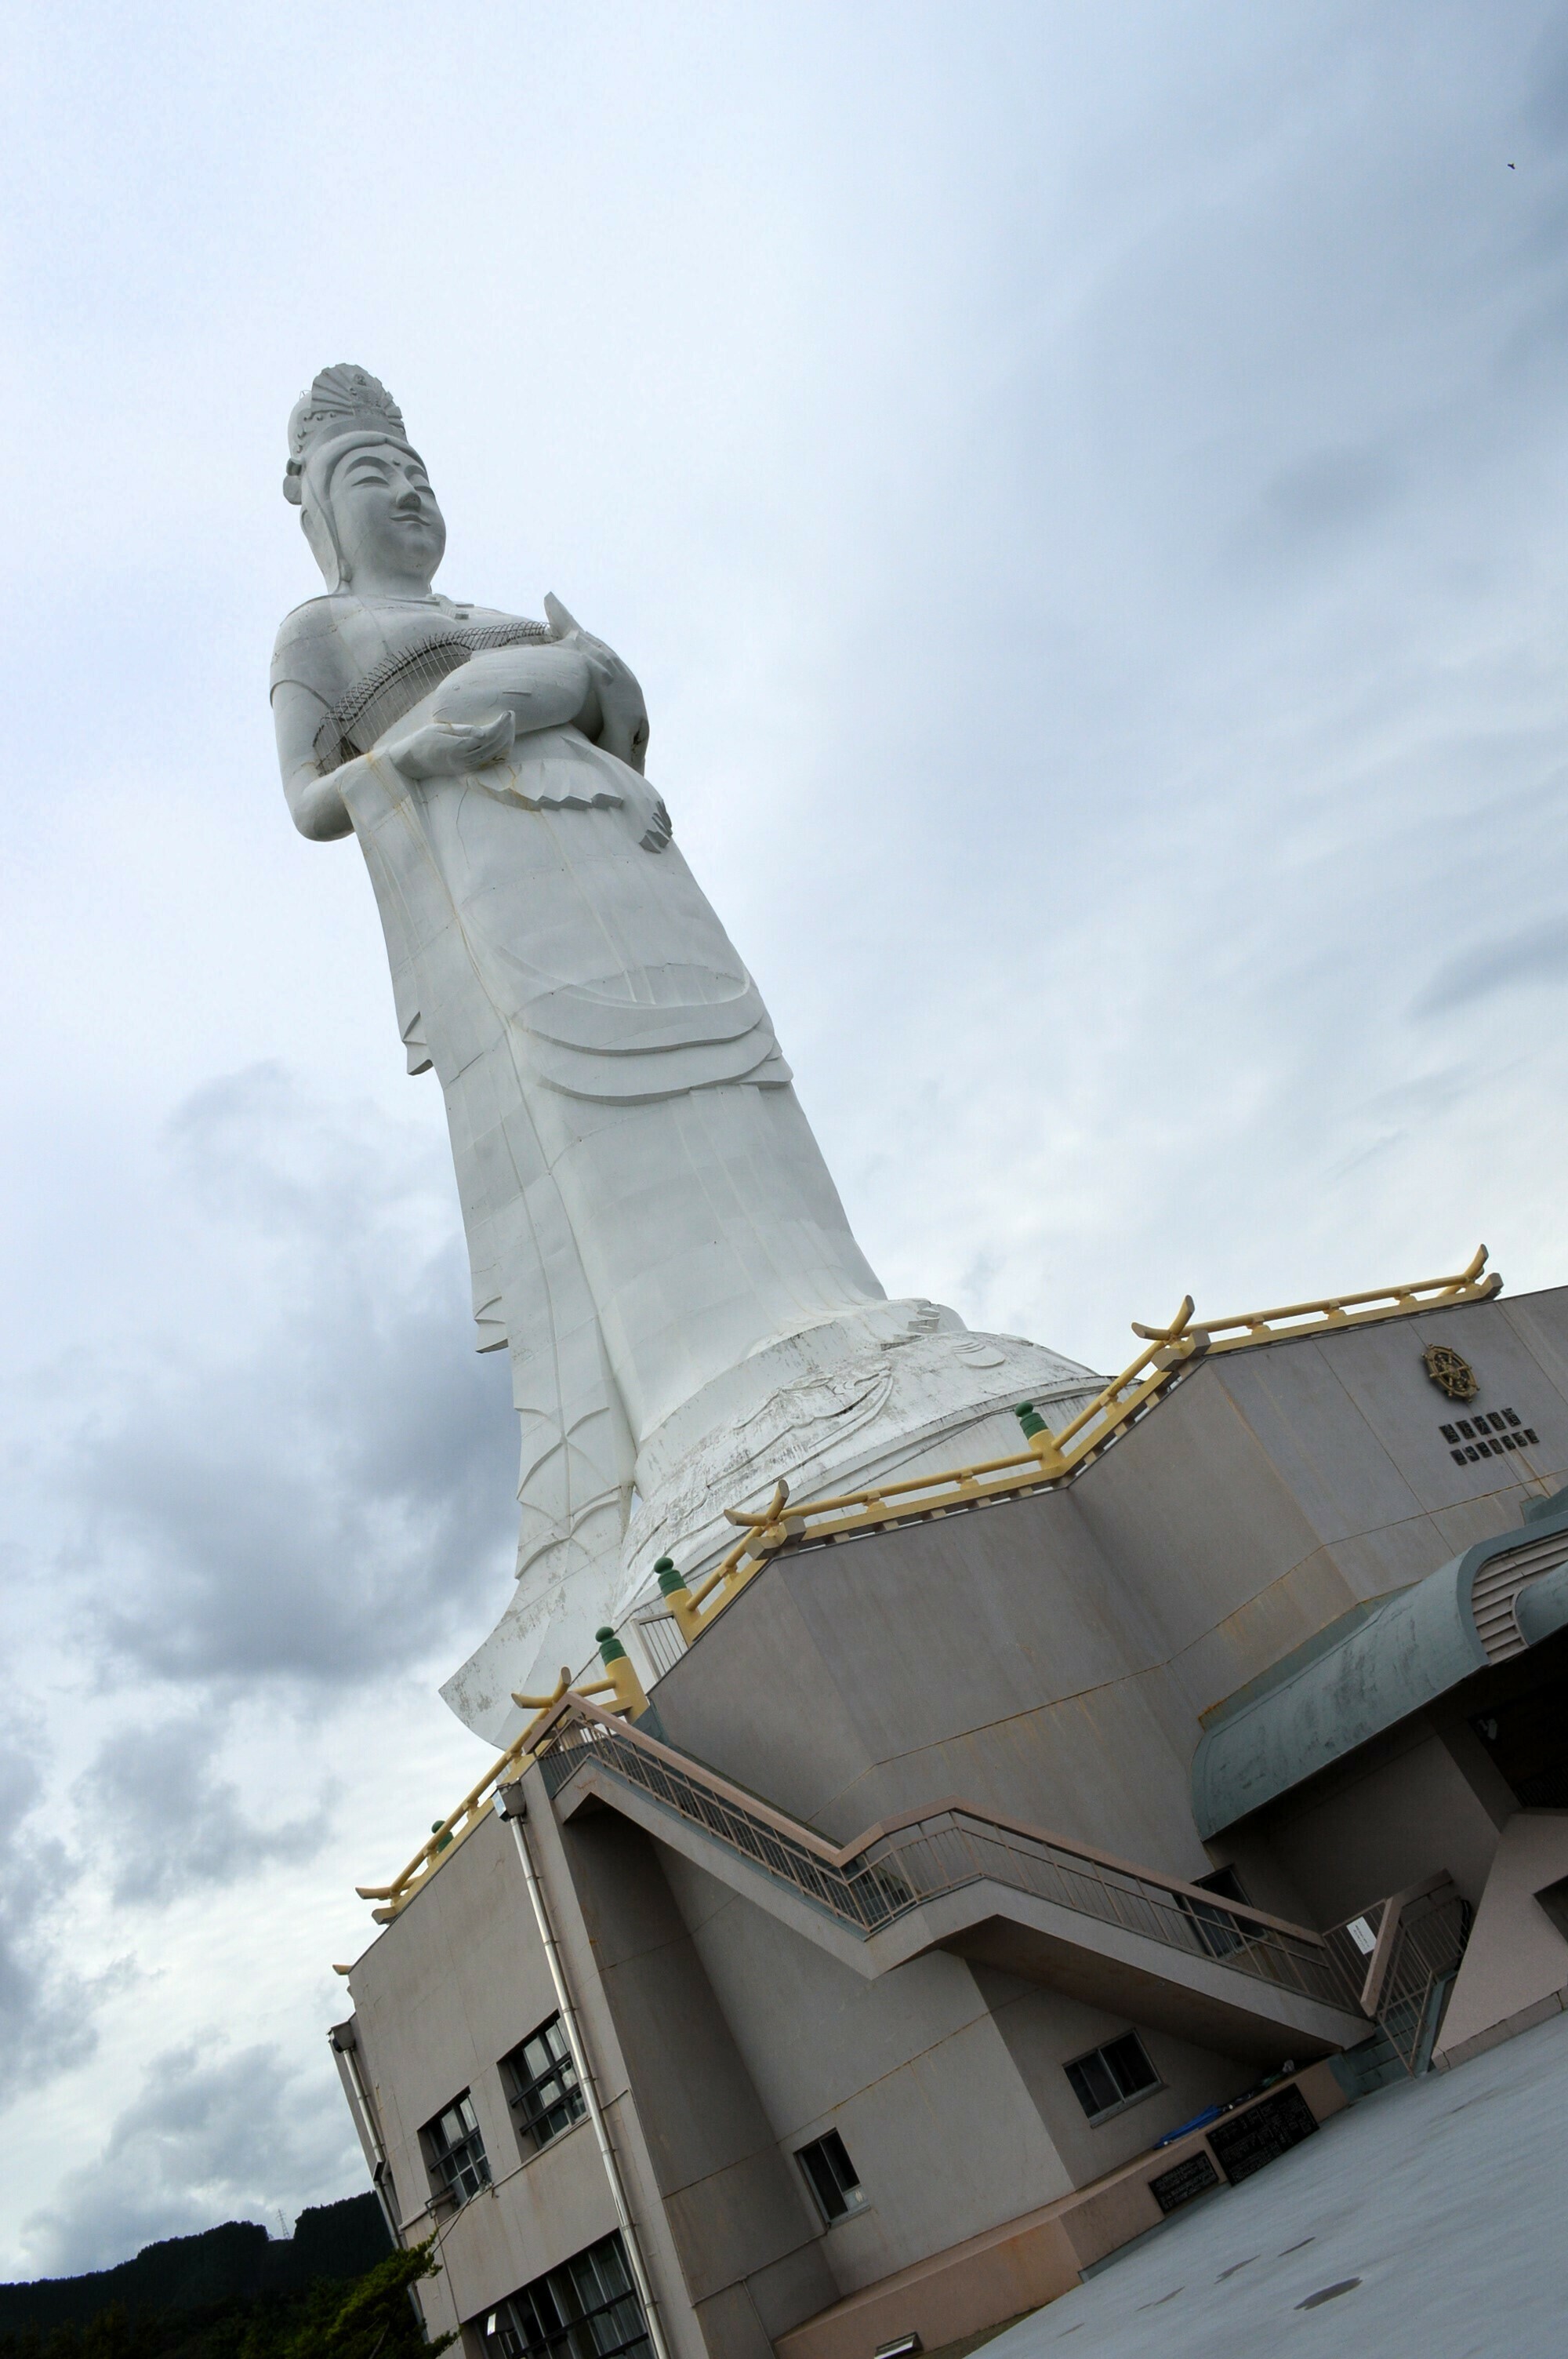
x=933, y=1896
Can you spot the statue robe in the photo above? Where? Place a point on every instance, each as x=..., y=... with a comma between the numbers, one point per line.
x=644, y=1203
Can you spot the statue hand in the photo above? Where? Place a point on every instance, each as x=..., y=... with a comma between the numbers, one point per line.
x=445, y=749
x=615, y=716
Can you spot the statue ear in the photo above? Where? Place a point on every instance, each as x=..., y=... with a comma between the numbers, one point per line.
x=323, y=547
x=292, y=490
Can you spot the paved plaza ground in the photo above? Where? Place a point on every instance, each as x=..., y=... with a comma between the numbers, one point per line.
x=1430, y=2220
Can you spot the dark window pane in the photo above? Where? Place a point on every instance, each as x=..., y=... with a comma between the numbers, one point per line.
x=546, y=2096
x=824, y=2185
x=1110, y=2076
x=1092, y=2084
x=587, y=2308
x=839, y=2162
x=831, y=2174
x=1129, y=2065
x=455, y=2151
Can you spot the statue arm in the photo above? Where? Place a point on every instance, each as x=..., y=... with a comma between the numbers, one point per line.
x=314, y=801
x=437, y=750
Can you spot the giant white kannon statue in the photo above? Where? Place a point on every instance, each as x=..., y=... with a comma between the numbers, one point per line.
x=653, y=1235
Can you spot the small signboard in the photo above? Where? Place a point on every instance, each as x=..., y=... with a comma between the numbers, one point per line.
x=1361, y=1934
x=1193, y=2175
x=1248, y=2141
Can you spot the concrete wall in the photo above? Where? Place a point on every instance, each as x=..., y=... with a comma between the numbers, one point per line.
x=748, y=2242
x=1516, y=1963
x=445, y=1993
x=1050, y=1657
x=945, y=2080
x=909, y=2070
x=438, y=2000
x=1044, y=2030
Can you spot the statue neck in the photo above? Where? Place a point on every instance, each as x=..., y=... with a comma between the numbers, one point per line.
x=403, y=588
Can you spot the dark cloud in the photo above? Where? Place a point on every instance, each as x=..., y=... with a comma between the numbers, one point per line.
x=213, y=2135
x=152, y=1804
x=320, y=1481
x=45, y=2009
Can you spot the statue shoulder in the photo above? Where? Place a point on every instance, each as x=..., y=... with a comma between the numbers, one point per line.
x=312, y=652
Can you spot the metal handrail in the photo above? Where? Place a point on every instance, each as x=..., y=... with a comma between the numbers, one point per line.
x=1427, y=1947
x=888, y=1872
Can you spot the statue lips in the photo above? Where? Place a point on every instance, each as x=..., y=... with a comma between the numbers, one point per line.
x=541, y=687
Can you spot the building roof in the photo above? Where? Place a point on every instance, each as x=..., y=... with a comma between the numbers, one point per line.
x=1380, y=1662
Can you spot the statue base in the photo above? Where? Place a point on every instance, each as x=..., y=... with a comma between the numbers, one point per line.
x=898, y=1388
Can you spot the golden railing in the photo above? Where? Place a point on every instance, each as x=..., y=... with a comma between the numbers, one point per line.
x=448, y=1833
x=1050, y=1460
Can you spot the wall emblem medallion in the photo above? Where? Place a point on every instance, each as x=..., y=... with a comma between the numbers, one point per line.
x=1451, y=1372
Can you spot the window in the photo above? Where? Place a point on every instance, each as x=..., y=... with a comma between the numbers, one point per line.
x=588, y=2309
x=1216, y=1927
x=545, y=2097
x=830, y=2175
x=1113, y=2076
x=455, y=2151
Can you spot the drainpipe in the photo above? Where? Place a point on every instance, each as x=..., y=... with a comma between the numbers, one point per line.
x=515, y=1809
x=345, y=2043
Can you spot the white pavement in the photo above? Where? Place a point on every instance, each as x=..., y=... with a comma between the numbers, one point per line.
x=1438, y=2207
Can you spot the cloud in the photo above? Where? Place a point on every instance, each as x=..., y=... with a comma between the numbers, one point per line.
x=318, y=1482
x=1534, y=955
x=45, y=2009
x=1329, y=491
x=213, y=2135
x=158, y=1812
x=1090, y=526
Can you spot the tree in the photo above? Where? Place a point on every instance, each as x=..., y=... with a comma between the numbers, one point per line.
x=376, y=2319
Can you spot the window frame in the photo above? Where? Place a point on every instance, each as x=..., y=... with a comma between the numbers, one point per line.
x=1101, y=2055
x=847, y=2187
x=530, y=2119
x=440, y=2153
x=519, y=2328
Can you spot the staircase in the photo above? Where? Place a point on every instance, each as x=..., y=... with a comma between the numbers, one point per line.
x=1419, y=1943
x=992, y=1889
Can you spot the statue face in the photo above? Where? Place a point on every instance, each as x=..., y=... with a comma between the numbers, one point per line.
x=388, y=525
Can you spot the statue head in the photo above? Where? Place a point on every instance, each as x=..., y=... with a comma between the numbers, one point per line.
x=363, y=498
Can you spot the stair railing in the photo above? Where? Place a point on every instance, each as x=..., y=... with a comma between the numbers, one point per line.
x=898, y=1865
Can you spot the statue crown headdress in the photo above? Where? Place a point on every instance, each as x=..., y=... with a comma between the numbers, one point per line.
x=340, y=399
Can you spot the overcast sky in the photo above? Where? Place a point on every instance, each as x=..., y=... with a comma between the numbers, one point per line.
x=1083, y=487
